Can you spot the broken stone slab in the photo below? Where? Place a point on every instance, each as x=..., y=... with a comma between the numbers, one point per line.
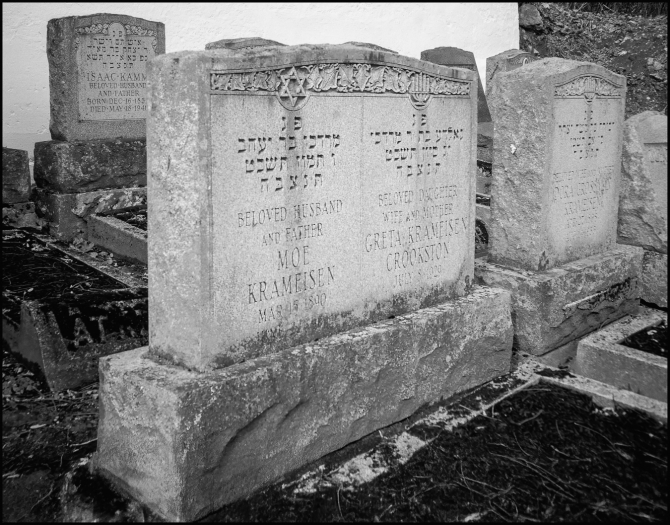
x=654, y=278
x=502, y=62
x=84, y=166
x=603, y=357
x=553, y=307
x=241, y=43
x=643, y=207
x=186, y=443
x=118, y=237
x=67, y=213
x=63, y=331
x=96, y=89
x=371, y=46
x=557, y=163
x=15, y=176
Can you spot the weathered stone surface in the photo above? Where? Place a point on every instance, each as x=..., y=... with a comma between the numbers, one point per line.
x=529, y=17
x=15, y=175
x=554, y=307
x=67, y=213
x=186, y=443
x=97, y=75
x=371, y=46
x=456, y=57
x=643, y=207
x=118, y=237
x=557, y=163
x=654, y=278
x=602, y=357
x=289, y=211
x=502, y=62
x=241, y=43
x=84, y=166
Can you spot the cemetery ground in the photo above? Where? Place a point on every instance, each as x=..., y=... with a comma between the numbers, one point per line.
x=544, y=453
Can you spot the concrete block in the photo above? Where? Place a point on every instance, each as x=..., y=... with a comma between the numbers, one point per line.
x=83, y=166
x=15, y=175
x=186, y=443
x=118, y=237
x=553, y=307
x=654, y=278
x=602, y=357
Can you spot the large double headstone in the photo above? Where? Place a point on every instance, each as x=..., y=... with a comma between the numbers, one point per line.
x=555, y=200
x=643, y=208
x=311, y=256
x=98, y=98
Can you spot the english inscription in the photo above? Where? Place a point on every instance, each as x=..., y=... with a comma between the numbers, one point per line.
x=111, y=62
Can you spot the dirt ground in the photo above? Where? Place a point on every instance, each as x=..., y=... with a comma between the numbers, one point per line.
x=634, y=46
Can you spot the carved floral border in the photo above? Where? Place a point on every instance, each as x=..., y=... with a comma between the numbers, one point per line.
x=344, y=78
x=103, y=29
x=588, y=86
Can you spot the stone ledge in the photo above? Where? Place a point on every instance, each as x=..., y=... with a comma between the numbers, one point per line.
x=67, y=213
x=186, y=443
x=654, y=278
x=556, y=306
x=600, y=356
x=118, y=237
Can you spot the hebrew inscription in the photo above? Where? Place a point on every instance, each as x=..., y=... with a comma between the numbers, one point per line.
x=111, y=61
x=352, y=205
x=585, y=162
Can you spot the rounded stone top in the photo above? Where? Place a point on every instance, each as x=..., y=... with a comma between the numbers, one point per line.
x=261, y=57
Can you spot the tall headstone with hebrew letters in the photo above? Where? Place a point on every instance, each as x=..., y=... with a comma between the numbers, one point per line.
x=98, y=99
x=643, y=207
x=311, y=252
x=555, y=201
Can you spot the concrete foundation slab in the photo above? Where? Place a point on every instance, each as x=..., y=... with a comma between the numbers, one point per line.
x=553, y=307
x=186, y=443
x=118, y=237
x=602, y=357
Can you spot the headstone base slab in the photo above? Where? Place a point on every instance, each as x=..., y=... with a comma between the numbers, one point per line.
x=600, y=356
x=84, y=166
x=118, y=237
x=186, y=443
x=553, y=307
x=67, y=213
x=654, y=278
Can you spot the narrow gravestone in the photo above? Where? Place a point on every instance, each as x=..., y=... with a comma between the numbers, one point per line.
x=311, y=250
x=643, y=208
x=503, y=62
x=555, y=199
x=15, y=176
x=98, y=75
x=455, y=57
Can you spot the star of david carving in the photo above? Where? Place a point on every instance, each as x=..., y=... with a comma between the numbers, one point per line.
x=292, y=87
